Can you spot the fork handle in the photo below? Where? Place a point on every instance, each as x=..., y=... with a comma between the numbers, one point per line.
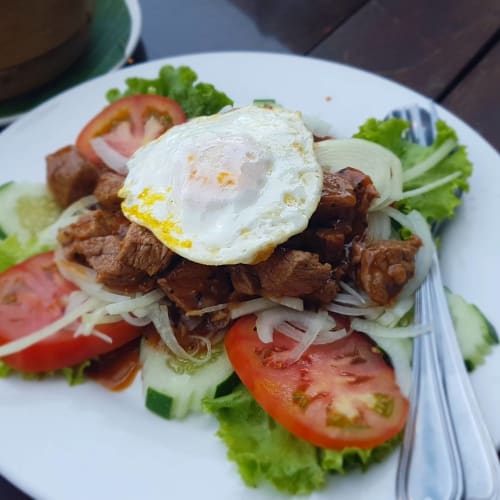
x=479, y=460
x=429, y=465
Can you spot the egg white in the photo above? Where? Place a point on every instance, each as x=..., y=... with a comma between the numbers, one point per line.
x=227, y=188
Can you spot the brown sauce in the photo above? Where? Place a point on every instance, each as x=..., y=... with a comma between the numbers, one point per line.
x=116, y=370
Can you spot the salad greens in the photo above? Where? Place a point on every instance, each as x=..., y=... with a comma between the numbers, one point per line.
x=440, y=203
x=257, y=444
x=74, y=375
x=196, y=99
x=12, y=250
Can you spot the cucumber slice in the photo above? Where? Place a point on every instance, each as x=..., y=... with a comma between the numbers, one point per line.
x=25, y=209
x=475, y=334
x=174, y=389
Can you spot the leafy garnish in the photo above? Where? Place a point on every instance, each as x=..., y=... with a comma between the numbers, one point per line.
x=440, y=203
x=264, y=450
x=74, y=375
x=348, y=459
x=178, y=84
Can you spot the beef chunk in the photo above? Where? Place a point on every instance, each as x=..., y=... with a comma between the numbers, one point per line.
x=101, y=254
x=294, y=273
x=195, y=286
x=338, y=198
x=140, y=249
x=344, y=202
x=70, y=176
x=93, y=224
x=327, y=243
x=106, y=190
x=330, y=245
x=365, y=193
x=245, y=280
x=382, y=268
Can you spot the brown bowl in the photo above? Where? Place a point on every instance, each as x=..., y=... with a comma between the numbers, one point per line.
x=39, y=39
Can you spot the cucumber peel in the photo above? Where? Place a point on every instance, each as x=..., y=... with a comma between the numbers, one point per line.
x=174, y=388
x=475, y=334
x=26, y=209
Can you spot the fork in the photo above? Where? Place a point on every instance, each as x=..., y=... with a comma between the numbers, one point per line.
x=447, y=452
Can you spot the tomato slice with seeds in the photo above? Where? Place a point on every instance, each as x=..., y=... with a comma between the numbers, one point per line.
x=129, y=123
x=335, y=396
x=33, y=294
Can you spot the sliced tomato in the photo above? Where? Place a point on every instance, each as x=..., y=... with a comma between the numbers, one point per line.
x=335, y=396
x=129, y=123
x=32, y=295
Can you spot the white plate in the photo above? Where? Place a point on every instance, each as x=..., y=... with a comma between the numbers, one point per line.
x=84, y=442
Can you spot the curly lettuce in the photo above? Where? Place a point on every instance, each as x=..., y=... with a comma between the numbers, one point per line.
x=179, y=84
x=440, y=203
x=74, y=375
x=258, y=445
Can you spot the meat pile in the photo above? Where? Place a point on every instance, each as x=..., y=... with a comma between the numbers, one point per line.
x=310, y=265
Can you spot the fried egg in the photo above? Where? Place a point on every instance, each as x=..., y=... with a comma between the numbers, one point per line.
x=226, y=188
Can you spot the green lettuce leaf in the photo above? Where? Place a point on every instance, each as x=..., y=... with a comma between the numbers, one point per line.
x=74, y=375
x=197, y=99
x=258, y=444
x=13, y=251
x=355, y=458
x=440, y=203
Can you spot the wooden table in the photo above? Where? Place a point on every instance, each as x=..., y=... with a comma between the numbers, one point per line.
x=448, y=50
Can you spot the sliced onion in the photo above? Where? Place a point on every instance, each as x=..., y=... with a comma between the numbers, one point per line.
x=161, y=320
x=111, y=157
x=291, y=302
x=352, y=291
x=347, y=298
x=376, y=330
x=431, y=185
x=139, y=302
x=205, y=310
x=393, y=314
x=250, y=307
x=323, y=337
x=47, y=331
x=370, y=312
x=134, y=320
x=314, y=327
x=399, y=350
x=270, y=320
x=431, y=161
x=379, y=226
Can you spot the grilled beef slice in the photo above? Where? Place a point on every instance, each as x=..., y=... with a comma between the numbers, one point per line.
x=344, y=202
x=295, y=273
x=106, y=190
x=70, y=176
x=382, y=268
x=141, y=250
x=123, y=254
x=194, y=286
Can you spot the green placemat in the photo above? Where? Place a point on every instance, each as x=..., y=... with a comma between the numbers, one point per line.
x=109, y=34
